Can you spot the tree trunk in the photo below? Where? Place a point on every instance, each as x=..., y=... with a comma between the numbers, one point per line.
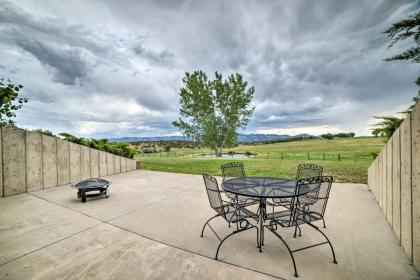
x=218, y=151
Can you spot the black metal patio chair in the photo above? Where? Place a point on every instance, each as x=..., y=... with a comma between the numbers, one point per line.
x=306, y=209
x=232, y=170
x=308, y=170
x=304, y=171
x=232, y=213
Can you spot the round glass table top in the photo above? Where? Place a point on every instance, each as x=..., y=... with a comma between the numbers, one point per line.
x=264, y=187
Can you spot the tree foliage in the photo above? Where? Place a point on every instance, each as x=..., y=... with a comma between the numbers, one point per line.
x=9, y=101
x=386, y=126
x=212, y=110
x=117, y=148
x=403, y=30
x=45, y=132
x=406, y=29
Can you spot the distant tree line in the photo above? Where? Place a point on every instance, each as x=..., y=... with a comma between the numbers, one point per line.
x=289, y=139
x=165, y=143
x=331, y=136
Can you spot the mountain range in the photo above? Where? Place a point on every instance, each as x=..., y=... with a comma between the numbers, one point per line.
x=242, y=138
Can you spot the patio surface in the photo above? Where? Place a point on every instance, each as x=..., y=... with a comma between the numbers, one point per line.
x=150, y=226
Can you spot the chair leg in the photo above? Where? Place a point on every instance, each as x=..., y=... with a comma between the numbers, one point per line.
x=202, y=231
x=233, y=233
x=323, y=234
x=297, y=227
x=288, y=249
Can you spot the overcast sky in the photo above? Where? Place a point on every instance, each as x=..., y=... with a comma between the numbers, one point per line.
x=114, y=68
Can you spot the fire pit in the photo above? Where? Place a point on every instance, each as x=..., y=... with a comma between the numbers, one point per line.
x=90, y=185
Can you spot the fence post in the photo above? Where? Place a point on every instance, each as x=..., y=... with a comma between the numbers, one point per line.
x=339, y=157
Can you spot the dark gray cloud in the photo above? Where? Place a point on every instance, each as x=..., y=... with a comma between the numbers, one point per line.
x=164, y=57
x=68, y=65
x=317, y=66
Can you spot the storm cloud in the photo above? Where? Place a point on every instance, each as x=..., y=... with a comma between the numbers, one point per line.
x=107, y=68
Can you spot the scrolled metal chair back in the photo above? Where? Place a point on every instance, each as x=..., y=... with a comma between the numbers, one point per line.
x=315, y=201
x=233, y=170
x=213, y=193
x=308, y=170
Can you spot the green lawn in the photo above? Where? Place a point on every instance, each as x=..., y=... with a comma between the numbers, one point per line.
x=345, y=159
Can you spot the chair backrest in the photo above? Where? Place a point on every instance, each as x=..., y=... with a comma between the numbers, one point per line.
x=315, y=201
x=232, y=170
x=213, y=193
x=308, y=170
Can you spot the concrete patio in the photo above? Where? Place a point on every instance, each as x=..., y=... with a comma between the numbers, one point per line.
x=149, y=229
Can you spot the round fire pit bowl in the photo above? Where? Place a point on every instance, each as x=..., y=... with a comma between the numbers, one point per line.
x=97, y=185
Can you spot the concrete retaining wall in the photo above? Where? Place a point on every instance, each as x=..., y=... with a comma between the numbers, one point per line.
x=49, y=161
x=94, y=163
x=33, y=161
x=394, y=178
x=85, y=162
x=63, y=162
x=30, y=161
x=14, y=171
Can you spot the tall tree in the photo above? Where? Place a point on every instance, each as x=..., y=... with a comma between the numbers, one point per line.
x=9, y=101
x=406, y=30
x=386, y=126
x=212, y=110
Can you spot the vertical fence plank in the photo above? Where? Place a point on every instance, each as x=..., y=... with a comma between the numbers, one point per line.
x=103, y=169
x=63, y=162
x=381, y=179
x=377, y=177
x=389, y=181
x=33, y=161
x=406, y=195
x=117, y=164
x=384, y=182
x=85, y=162
x=1, y=163
x=110, y=164
x=415, y=134
x=396, y=184
x=75, y=163
x=14, y=171
x=94, y=163
x=49, y=161
x=123, y=164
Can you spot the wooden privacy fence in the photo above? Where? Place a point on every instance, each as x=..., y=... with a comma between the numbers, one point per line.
x=394, y=179
x=31, y=161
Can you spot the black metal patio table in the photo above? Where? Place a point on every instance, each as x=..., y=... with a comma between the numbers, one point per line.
x=263, y=188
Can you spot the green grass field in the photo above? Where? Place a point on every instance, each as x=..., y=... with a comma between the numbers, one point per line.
x=345, y=159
